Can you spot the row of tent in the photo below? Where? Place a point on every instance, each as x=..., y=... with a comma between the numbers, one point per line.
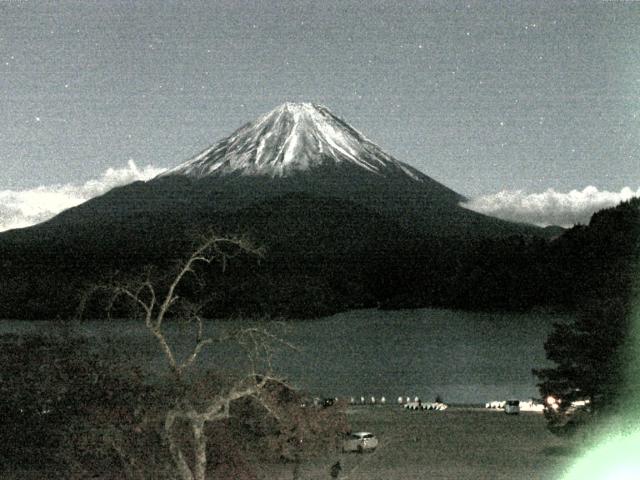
x=425, y=406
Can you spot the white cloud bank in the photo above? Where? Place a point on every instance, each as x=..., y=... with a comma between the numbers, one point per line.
x=550, y=207
x=22, y=208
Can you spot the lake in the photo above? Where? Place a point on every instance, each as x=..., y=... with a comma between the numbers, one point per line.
x=463, y=357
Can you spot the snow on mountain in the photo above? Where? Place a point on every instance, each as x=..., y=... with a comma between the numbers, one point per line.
x=293, y=137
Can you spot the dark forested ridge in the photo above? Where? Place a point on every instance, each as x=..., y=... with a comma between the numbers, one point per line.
x=323, y=255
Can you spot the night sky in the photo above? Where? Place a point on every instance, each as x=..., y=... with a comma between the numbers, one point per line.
x=503, y=100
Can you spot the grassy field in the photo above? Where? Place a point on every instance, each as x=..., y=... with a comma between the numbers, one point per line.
x=459, y=443
x=456, y=444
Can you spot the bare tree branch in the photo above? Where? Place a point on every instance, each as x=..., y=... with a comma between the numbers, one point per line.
x=154, y=304
x=194, y=354
x=155, y=308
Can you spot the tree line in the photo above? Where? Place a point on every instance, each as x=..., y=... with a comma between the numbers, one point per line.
x=320, y=263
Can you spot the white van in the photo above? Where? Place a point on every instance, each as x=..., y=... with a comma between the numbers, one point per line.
x=512, y=407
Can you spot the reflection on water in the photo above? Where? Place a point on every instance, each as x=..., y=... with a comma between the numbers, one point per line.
x=463, y=357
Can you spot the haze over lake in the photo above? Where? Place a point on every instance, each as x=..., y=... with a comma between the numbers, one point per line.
x=463, y=357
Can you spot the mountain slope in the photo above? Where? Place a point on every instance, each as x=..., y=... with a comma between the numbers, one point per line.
x=306, y=148
x=344, y=224
x=299, y=148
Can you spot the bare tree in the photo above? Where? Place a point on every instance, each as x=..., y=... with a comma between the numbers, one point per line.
x=188, y=418
x=155, y=306
x=154, y=303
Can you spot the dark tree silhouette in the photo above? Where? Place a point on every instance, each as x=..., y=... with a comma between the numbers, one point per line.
x=589, y=352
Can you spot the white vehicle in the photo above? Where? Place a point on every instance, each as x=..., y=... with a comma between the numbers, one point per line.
x=360, y=442
x=531, y=406
x=512, y=407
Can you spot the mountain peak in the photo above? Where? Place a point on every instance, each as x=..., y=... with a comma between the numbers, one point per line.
x=292, y=137
x=297, y=107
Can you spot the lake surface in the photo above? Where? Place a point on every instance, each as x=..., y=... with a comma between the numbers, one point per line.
x=463, y=357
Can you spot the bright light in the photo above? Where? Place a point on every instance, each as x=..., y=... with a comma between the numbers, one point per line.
x=614, y=459
x=551, y=400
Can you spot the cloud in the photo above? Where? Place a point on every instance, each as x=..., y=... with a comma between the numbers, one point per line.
x=22, y=208
x=549, y=207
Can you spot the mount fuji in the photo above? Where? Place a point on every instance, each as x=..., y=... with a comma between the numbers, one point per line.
x=297, y=149
x=304, y=148
x=337, y=214
x=294, y=137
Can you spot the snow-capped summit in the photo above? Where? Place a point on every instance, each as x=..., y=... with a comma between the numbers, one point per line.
x=291, y=138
